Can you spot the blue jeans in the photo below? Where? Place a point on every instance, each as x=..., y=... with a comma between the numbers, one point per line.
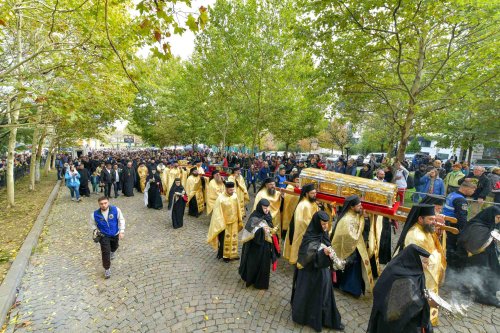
x=74, y=191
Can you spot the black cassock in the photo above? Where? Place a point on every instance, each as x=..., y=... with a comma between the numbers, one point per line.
x=128, y=181
x=193, y=207
x=384, y=253
x=399, y=304
x=154, y=197
x=313, y=300
x=177, y=204
x=476, y=240
x=258, y=250
x=84, y=182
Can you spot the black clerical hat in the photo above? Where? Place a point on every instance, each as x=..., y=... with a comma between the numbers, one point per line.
x=269, y=180
x=426, y=210
x=433, y=199
x=229, y=184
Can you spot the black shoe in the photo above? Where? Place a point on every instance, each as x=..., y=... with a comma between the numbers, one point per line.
x=226, y=259
x=341, y=328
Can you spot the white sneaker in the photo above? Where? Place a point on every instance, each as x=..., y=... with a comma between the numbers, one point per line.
x=113, y=255
x=107, y=273
x=73, y=199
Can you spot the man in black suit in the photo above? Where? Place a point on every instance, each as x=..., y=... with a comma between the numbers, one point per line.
x=107, y=179
x=116, y=175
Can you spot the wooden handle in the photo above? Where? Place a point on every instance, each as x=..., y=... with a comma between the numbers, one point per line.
x=397, y=217
x=452, y=230
x=446, y=218
x=317, y=199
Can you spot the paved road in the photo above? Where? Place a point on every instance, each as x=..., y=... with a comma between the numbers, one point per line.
x=164, y=280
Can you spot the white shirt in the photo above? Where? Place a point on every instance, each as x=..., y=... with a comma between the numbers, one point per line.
x=121, y=220
x=401, y=182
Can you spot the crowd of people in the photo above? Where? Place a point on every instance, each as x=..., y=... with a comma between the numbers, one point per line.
x=345, y=247
x=21, y=167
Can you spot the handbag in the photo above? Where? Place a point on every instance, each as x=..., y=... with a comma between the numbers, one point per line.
x=97, y=236
x=185, y=197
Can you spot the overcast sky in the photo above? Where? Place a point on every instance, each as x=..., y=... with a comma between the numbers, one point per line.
x=183, y=45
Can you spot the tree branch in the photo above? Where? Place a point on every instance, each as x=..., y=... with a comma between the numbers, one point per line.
x=400, y=52
x=114, y=48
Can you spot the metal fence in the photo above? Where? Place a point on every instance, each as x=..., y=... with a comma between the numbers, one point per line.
x=19, y=172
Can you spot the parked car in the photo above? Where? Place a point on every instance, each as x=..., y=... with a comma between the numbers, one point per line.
x=378, y=157
x=301, y=157
x=488, y=164
x=333, y=158
x=359, y=160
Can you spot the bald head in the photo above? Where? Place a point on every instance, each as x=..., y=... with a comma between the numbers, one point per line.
x=478, y=170
x=468, y=188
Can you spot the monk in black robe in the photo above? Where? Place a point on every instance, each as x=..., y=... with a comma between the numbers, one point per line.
x=153, y=181
x=399, y=304
x=177, y=203
x=385, y=252
x=128, y=180
x=84, y=181
x=313, y=300
x=260, y=247
x=480, y=251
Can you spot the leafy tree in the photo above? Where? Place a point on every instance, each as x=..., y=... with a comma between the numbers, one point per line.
x=414, y=146
x=55, y=59
x=336, y=134
x=400, y=60
x=255, y=73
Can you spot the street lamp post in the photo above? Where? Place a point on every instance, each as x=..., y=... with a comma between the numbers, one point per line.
x=347, y=153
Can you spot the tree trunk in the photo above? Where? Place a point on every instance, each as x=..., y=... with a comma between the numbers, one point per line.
x=470, y=148
x=39, y=156
x=405, y=133
x=414, y=91
x=254, y=140
x=53, y=161
x=463, y=153
x=13, y=117
x=48, y=162
x=34, y=146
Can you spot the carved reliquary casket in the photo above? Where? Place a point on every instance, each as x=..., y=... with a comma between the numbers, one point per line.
x=329, y=182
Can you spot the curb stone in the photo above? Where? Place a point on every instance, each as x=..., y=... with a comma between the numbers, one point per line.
x=12, y=281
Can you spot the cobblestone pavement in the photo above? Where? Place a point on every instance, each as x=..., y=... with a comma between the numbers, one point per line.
x=163, y=280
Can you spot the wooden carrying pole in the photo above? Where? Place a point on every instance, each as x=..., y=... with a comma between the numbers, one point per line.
x=401, y=218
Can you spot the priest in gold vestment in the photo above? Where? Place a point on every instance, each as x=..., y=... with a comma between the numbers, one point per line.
x=304, y=212
x=163, y=171
x=214, y=189
x=268, y=191
x=420, y=229
x=290, y=202
x=174, y=172
x=225, y=224
x=142, y=172
x=194, y=191
x=349, y=242
x=241, y=189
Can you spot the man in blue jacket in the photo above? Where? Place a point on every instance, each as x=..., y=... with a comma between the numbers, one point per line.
x=109, y=223
x=456, y=206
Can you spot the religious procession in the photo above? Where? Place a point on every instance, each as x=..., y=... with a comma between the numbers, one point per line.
x=284, y=166
x=338, y=231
